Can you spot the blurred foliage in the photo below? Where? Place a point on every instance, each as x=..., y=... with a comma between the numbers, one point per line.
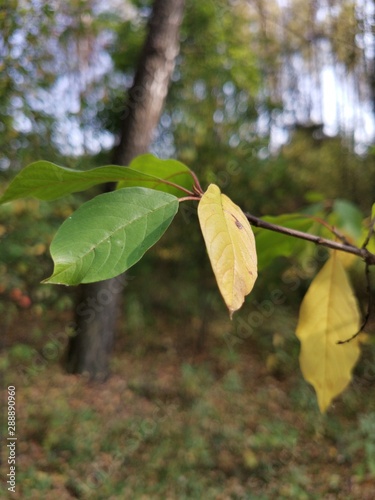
x=326, y=165
x=27, y=228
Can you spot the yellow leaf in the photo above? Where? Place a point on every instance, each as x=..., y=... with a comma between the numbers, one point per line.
x=230, y=245
x=329, y=313
x=347, y=259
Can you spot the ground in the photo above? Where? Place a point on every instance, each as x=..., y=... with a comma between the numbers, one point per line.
x=182, y=421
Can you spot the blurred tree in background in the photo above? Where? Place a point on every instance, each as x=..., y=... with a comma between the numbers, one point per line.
x=97, y=304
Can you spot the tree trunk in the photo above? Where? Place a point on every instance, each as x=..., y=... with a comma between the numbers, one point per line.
x=97, y=305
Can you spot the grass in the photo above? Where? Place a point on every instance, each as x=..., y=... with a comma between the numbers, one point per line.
x=176, y=424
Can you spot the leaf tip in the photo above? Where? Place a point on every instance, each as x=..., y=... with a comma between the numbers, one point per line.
x=48, y=281
x=232, y=310
x=324, y=403
x=51, y=280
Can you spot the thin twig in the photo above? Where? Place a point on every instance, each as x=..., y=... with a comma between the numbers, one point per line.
x=363, y=253
x=369, y=307
x=370, y=233
x=333, y=229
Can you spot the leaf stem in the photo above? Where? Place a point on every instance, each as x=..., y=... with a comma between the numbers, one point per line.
x=333, y=230
x=177, y=186
x=197, y=187
x=363, y=253
x=187, y=198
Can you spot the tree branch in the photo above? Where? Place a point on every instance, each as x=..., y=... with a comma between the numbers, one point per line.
x=363, y=253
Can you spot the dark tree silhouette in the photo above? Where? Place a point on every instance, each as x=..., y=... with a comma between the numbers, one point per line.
x=97, y=305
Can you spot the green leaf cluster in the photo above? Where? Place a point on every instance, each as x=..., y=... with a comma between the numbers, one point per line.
x=111, y=232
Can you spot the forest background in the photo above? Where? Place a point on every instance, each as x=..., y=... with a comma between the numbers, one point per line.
x=272, y=101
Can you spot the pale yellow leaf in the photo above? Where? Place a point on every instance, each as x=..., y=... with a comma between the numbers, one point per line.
x=230, y=245
x=347, y=259
x=329, y=313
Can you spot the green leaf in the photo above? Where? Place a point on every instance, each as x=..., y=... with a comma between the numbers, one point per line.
x=347, y=217
x=47, y=181
x=158, y=170
x=109, y=234
x=271, y=244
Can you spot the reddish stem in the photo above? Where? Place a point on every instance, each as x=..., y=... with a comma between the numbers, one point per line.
x=187, y=198
x=164, y=181
x=197, y=187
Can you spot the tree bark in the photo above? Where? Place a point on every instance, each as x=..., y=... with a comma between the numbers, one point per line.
x=97, y=305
